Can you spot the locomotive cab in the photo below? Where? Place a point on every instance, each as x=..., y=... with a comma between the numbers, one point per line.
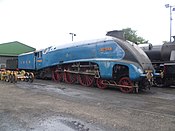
x=38, y=59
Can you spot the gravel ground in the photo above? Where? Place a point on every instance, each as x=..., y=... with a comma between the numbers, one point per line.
x=49, y=106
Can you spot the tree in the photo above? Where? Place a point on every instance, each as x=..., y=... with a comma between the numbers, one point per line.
x=165, y=42
x=132, y=36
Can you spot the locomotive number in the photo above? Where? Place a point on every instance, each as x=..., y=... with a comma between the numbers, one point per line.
x=106, y=49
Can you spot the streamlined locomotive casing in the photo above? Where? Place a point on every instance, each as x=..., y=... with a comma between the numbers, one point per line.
x=106, y=53
x=110, y=61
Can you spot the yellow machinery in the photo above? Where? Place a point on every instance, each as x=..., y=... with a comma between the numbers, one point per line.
x=14, y=76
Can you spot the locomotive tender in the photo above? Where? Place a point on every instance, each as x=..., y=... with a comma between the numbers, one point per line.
x=104, y=62
x=163, y=60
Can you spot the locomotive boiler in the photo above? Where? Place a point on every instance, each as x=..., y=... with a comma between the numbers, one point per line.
x=163, y=60
x=104, y=62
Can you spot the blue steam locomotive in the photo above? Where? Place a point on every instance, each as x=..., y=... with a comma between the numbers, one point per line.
x=103, y=62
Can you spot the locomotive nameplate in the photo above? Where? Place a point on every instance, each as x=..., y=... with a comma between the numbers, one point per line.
x=39, y=60
x=106, y=49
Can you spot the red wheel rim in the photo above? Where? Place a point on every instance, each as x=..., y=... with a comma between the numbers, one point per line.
x=86, y=80
x=54, y=76
x=57, y=76
x=70, y=77
x=100, y=84
x=126, y=82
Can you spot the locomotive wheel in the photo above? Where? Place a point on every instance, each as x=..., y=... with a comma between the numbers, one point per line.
x=57, y=76
x=14, y=78
x=11, y=78
x=7, y=78
x=26, y=77
x=100, y=84
x=70, y=77
x=126, y=82
x=31, y=77
x=86, y=80
x=54, y=76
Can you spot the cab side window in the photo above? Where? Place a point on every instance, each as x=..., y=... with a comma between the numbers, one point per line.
x=38, y=54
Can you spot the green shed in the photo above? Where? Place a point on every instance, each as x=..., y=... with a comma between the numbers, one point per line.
x=11, y=50
x=14, y=49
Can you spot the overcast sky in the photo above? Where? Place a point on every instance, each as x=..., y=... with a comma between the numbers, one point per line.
x=42, y=23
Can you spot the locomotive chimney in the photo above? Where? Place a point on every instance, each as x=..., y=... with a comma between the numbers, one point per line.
x=116, y=33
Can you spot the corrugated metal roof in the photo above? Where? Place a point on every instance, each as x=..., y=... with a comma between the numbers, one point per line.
x=14, y=48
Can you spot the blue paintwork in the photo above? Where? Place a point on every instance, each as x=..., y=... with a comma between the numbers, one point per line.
x=87, y=52
x=39, y=59
x=26, y=61
x=83, y=52
x=106, y=69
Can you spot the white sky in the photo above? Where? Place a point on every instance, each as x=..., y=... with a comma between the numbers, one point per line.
x=42, y=23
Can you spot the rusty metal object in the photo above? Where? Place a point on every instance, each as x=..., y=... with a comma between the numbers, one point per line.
x=14, y=76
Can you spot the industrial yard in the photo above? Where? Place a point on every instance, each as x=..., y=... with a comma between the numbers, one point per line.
x=87, y=65
x=46, y=105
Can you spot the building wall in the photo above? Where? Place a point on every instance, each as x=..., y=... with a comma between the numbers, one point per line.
x=3, y=60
